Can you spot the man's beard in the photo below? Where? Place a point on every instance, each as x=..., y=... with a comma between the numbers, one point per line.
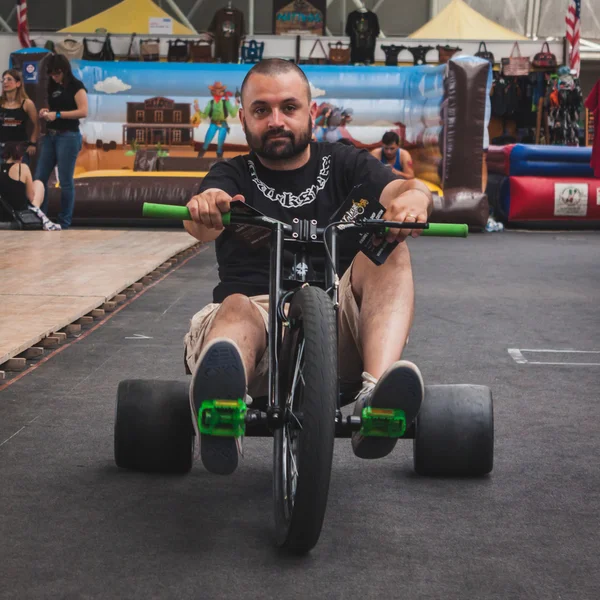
x=281, y=149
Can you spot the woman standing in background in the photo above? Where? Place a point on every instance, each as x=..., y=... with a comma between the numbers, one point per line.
x=17, y=113
x=68, y=102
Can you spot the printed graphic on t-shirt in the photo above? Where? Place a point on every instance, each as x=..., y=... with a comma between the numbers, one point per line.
x=287, y=199
x=10, y=122
x=228, y=28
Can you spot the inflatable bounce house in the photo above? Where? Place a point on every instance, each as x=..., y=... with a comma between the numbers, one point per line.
x=149, y=126
x=543, y=186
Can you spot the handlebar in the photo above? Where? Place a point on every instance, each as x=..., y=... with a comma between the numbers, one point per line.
x=168, y=211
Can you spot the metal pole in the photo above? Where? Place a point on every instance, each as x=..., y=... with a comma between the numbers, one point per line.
x=69, y=11
x=194, y=8
x=529, y=21
x=250, y=17
x=5, y=25
x=344, y=16
x=181, y=16
x=536, y=18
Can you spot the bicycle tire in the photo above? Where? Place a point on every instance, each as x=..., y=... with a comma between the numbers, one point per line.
x=312, y=336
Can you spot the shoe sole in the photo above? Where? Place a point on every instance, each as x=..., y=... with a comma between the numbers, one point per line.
x=400, y=388
x=220, y=375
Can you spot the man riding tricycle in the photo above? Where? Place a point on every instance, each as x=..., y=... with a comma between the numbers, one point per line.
x=312, y=312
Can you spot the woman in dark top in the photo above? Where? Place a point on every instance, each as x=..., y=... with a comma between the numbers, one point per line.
x=17, y=113
x=68, y=102
x=17, y=187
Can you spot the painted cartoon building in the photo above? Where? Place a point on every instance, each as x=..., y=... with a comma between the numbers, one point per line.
x=158, y=120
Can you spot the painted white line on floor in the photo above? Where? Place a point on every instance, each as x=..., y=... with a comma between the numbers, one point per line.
x=12, y=436
x=564, y=364
x=560, y=351
x=517, y=356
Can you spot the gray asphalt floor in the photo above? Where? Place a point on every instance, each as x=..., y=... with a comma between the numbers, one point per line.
x=515, y=311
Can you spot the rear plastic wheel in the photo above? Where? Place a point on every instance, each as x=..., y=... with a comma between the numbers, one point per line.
x=153, y=426
x=454, y=432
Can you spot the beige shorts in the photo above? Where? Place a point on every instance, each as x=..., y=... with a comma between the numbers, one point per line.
x=349, y=348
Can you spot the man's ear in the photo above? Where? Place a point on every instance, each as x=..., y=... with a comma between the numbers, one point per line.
x=313, y=112
x=242, y=117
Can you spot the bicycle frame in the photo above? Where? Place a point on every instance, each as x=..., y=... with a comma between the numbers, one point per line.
x=306, y=234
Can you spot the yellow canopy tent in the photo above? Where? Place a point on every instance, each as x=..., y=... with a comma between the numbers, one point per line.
x=458, y=21
x=129, y=16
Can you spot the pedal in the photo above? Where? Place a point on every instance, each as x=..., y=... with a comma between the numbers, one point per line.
x=383, y=422
x=225, y=418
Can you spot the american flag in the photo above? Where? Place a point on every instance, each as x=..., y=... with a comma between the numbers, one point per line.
x=573, y=20
x=23, y=24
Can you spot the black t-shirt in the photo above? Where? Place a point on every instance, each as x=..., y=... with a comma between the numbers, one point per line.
x=363, y=29
x=62, y=99
x=314, y=191
x=13, y=124
x=228, y=28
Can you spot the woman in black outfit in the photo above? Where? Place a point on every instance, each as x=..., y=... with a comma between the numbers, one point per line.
x=17, y=186
x=17, y=113
x=68, y=102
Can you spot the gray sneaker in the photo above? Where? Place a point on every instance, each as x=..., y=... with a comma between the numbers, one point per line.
x=219, y=375
x=401, y=388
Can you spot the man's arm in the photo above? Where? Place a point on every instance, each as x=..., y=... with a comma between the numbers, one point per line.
x=407, y=164
x=218, y=189
x=206, y=210
x=406, y=202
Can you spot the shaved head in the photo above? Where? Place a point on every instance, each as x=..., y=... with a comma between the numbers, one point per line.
x=272, y=67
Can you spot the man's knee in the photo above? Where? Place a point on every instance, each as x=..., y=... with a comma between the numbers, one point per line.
x=238, y=307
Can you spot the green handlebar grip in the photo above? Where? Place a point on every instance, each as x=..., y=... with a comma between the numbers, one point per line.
x=166, y=211
x=169, y=211
x=447, y=230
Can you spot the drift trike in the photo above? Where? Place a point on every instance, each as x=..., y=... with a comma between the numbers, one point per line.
x=452, y=435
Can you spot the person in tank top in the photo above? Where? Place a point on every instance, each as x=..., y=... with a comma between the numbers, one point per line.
x=18, y=115
x=17, y=186
x=394, y=157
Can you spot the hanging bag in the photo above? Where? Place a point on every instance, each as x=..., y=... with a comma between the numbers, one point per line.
x=201, y=51
x=485, y=54
x=150, y=50
x=107, y=50
x=252, y=51
x=317, y=61
x=515, y=66
x=178, y=51
x=105, y=54
x=88, y=54
x=446, y=53
x=131, y=55
x=70, y=48
x=339, y=54
x=545, y=59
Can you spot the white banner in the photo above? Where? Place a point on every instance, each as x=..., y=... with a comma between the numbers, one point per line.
x=160, y=26
x=570, y=199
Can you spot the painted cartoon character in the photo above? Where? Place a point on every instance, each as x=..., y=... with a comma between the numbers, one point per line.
x=218, y=110
x=331, y=122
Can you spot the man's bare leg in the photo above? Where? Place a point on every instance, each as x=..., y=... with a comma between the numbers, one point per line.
x=240, y=321
x=225, y=366
x=385, y=296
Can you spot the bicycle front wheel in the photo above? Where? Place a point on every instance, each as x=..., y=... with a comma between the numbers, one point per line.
x=303, y=447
